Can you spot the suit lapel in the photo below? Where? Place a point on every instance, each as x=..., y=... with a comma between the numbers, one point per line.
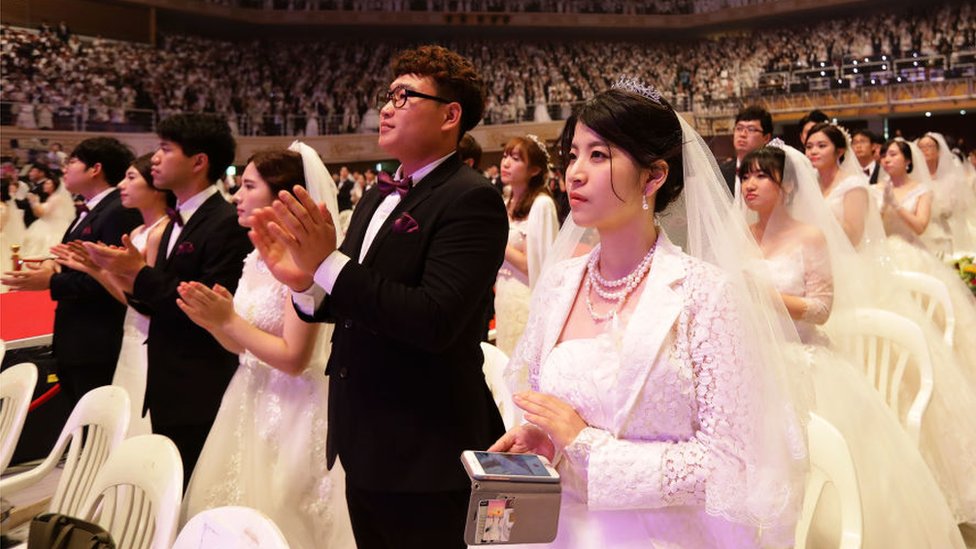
x=161, y=255
x=422, y=192
x=74, y=233
x=198, y=219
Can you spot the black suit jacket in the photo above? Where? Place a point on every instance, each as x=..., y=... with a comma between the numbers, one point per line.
x=344, y=196
x=406, y=390
x=873, y=180
x=728, y=171
x=188, y=369
x=88, y=320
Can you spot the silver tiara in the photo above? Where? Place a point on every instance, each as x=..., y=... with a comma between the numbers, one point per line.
x=636, y=85
x=535, y=139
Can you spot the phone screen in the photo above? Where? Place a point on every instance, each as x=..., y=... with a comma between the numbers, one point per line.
x=521, y=465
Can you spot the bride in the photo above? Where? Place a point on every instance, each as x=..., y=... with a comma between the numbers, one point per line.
x=815, y=270
x=267, y=445
x=54, y=215
x=656, y=375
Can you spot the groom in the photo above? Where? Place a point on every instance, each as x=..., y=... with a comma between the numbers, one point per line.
x=188, y=369
x=407, y=292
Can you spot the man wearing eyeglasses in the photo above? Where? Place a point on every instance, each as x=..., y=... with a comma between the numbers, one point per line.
x=407, y=291
x=753, y=129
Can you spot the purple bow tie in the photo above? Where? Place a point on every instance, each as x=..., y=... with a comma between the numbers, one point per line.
x=81, y=208
x=174, y=215
x=387, y=185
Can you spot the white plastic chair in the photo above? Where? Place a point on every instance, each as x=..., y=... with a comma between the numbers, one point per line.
x=96, y=426
x=137, y=493
x=3, y=350
x=494, y=370
x=931, y=293
x=16, y=389
x=239, y=527
x=886, y=345
x=831, y=463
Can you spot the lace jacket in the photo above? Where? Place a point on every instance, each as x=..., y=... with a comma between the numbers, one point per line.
x=684, y=403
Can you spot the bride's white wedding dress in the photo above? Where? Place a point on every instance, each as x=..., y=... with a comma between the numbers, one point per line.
x=58, y=213
x=666, y=400
x=266, y=449
x=131, y=369
x=907, y=513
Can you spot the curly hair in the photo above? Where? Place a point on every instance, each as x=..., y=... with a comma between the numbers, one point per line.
x=454, y=77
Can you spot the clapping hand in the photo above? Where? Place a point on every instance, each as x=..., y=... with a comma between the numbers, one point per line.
x=304, y=227
x=75, y=256
x=36, y=277
x=125, y=260
x=274, y=253
x=210, y=309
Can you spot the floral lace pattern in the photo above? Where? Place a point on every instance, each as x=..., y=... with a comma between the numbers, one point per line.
x=670, y=402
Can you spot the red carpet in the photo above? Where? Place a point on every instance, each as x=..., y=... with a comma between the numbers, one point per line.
x=25, y=314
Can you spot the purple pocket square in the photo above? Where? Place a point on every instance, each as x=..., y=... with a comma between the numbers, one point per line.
x=184, y=248
x=405, y=224
x=86, y=231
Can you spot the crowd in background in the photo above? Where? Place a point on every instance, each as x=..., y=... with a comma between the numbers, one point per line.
x=628, y=7
x=53, y=79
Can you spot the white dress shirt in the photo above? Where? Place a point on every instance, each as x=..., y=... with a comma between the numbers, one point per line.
x=186, y=211
x=328, y=272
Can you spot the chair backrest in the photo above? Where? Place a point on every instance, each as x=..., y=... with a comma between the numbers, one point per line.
x=887, y=345
x=16, y=389
x=137, y=493
x=239, y=527
x=494, y=370
x=831, y=463
x=931, y=294
x=3, y=350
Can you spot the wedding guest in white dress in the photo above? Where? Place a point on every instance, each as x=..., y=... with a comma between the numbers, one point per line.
x=846, y=193
x=654, y=374
x=906, y=206
x=136, y=191
x=54, y=215
x=815, y=272
x=948, y=434
x=266, y=448
x=532, y=226
x=954, y=203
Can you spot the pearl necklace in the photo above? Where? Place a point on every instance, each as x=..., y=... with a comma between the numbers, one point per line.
x=615, y=291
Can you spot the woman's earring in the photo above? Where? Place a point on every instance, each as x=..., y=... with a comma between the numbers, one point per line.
x=644, y=205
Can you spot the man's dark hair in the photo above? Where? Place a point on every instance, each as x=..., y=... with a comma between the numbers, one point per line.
x=45, y=171
x=199, y=133
x=873, y=137
x=755, y=112
x=469, y=148
x=111, y=153
x=454, y=77
x=816, y=116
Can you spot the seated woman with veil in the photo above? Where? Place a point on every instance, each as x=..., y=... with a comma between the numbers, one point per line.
x=651, y=373
x=813, y=267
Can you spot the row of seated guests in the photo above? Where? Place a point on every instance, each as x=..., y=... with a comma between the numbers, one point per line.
x=628, y=7
x=659, y=372
x=278, y=93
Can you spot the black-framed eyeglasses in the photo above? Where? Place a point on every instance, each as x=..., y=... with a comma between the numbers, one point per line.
x=400, y=94
x=748, y=130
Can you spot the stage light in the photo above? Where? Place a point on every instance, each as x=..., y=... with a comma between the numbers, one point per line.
x=865, y=59
x=855, y=71
x=822, y=64
x=872, y=81
x=855, y=61
x=822, y=73
x=928, y=114
x=884, y=67
x=899, y=79
x=884, y=57
x=962, y=112
x=915, y=63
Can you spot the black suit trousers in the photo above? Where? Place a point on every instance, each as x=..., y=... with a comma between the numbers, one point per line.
x=407, y=520
x=77, y=378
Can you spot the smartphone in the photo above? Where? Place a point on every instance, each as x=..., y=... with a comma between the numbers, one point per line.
x=508, y=467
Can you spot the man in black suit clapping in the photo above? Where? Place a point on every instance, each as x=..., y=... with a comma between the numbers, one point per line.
x=188, y=369
x=88, y=320
x=407, y=291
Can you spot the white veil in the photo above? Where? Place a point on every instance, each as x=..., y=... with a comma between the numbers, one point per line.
x=951, y=194
x=765, y=491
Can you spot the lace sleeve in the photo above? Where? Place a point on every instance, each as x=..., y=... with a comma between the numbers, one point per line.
x=818, y=284
x=636, y=474
x=522, y=371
